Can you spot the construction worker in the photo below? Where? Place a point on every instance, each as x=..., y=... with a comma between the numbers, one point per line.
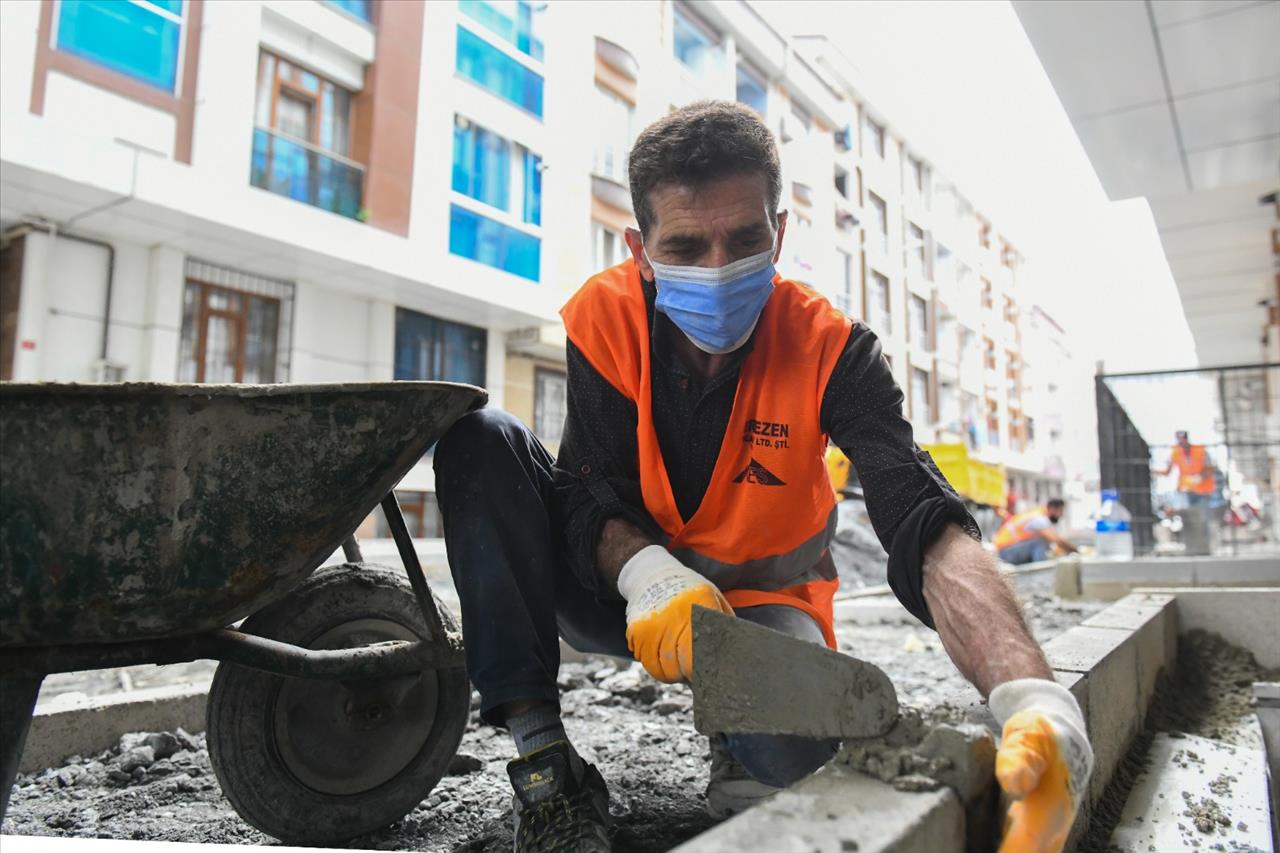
x=1196, y=481
x=1028, y=537
x=702, y=388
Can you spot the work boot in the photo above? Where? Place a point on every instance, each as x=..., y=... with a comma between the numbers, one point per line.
x=732, y=789
x=561, y=803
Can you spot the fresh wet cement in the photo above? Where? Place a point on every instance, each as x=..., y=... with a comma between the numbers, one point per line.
x=1209, y=695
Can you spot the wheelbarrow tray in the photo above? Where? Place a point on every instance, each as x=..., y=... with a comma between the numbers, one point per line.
x=145, y=510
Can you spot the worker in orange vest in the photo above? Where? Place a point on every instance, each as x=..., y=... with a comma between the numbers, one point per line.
x=1196, y=480
x=1029, y=536
x=703, y=388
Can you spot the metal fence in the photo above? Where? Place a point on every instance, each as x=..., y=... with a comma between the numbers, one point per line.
x=1231, y=505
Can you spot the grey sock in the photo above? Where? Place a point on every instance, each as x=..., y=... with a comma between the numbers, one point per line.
x=536, y=728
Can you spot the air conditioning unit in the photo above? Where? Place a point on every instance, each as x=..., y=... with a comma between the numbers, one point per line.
x=107, y=371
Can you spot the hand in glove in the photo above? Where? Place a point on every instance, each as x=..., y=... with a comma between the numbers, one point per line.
x=1043, y=763
x=661, y=593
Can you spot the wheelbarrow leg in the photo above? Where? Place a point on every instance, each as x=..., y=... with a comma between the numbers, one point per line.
x=18, y=693
x=351, y=550
x=408, y=556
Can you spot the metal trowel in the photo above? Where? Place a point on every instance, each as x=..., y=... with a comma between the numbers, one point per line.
x=752, y=679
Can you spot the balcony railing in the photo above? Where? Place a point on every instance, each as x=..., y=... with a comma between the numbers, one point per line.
x=303, y=172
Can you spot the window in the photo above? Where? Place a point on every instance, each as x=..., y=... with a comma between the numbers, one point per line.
x=988, y=354
x=878, y=315
x=801, y=120
x=943, y=264
x=949, y=406
x=359, y=8
x=993, y=424
x=140, y=39
x=1010, y=311
x=493, y=170
x=752, y=88
x=421, y=513
x=845, y=300
x=695, y=44
x=301, y=138
x=920, y=410
x=986, y=294
x=969, y=418
x=503, y=75
x=915, y=177
x=842, y=181
x=613, y=120
x=984, y=233
x=481, y=164
x=431, y=349
x=550, y=404
x=610, y=249
x=878, y=225
x=235, y=326
x=918, y=322
x=490, y=242
x=517, y=22
x=915, y=249
x=873, y=132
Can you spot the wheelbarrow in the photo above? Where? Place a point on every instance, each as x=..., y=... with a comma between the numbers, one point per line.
x=139, y=522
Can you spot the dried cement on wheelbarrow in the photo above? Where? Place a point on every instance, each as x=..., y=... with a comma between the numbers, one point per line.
x=639, y=732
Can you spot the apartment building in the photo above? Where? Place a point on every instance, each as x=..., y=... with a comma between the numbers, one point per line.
x=346, y=190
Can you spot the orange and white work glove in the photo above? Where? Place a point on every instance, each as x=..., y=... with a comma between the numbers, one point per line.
x=1043, y=763
x=661, y=593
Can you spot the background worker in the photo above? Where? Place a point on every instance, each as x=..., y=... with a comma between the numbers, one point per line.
x=1028, y=536
x=1196, y=481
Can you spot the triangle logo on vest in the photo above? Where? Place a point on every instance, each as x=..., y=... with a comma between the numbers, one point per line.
x=757, y=473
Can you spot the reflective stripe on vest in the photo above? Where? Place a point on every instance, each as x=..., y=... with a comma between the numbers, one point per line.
x=1015, y=530
x=768, y=515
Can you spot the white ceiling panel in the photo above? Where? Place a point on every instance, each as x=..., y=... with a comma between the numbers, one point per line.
x=1222, y=50
x=1100, y=54
x=1232, y=164
x=1230, y=115
x=1178, y=11
x=1126, y=170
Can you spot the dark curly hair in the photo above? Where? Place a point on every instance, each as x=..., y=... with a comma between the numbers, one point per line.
x=699, y=143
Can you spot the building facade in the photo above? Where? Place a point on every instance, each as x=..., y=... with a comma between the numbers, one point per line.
x=358, y=190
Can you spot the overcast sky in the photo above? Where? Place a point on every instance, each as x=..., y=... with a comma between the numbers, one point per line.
x=963, y=83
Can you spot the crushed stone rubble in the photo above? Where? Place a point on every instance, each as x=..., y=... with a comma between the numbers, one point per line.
x=639, y=732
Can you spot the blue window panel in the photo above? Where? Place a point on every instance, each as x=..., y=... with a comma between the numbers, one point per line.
x=124, y=37
x=751, y=90
x=504, y=76
x=518, y=31
x=482, y=165
x=360, y=8
x=501, y=246
x=532, y=188
x=430, y=349
x=174, y=6
x=300, y=173
x=692, y=44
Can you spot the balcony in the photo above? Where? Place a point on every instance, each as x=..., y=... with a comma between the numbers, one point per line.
x=303, y=172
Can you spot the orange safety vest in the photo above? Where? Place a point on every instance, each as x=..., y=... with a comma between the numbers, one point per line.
x=1015, y=529
x=762, y=531
x=1192, y=476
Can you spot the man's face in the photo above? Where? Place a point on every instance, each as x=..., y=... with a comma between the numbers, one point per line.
x=1182, y=439
x=1054, y=514
x=707, y=226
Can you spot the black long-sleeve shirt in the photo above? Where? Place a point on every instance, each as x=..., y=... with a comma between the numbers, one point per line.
x=597, y=472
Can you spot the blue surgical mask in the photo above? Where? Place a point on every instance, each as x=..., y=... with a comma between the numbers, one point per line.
x=717, y=308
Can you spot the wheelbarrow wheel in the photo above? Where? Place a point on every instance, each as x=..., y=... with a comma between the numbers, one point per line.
x=312, y=761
